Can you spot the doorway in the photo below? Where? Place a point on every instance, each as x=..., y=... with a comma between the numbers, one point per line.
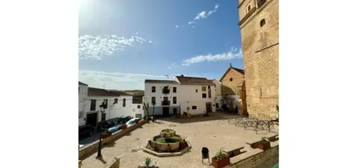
x=165, y=111
x=91, y=119
x=208, y=107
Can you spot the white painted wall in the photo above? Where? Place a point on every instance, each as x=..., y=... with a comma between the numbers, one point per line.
x=117, y=109
x=186, y=98
x=218, y=98
x=189, y=97
x=160, y=96
x=82, y=95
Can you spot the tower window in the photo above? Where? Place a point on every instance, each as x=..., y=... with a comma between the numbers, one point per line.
x=249, y=8
x=230, y=79
x=262, y=22
x=261, y=2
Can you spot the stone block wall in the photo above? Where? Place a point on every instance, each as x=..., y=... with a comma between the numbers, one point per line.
x=260, y=39
x=262, y=159
x=115, y=163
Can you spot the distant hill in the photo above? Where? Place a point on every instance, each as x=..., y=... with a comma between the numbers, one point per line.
x=134, y=92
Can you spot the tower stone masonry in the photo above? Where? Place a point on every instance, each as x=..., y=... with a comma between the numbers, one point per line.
x=259, y=25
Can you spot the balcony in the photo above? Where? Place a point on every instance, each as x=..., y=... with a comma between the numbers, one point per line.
x=165, y=103
x=166, y=90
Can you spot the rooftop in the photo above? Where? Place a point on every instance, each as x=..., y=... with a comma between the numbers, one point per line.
x=188, y=80
x=231, y=67
x=160, y=81
x=81, y=83
x=104, y=92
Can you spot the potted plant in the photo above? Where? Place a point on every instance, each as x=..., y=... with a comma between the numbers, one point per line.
x=148, y=163
x=105, y=134
x=221, y=159
x=263, y=145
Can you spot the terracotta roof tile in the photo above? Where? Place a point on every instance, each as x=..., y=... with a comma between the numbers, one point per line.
x=187, y=80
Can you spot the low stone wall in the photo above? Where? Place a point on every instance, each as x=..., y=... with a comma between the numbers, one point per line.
x=88, y=150
x=115, y=163
x=262, y=159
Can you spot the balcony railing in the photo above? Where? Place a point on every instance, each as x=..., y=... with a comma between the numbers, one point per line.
x=165, y=90
x=164, y=103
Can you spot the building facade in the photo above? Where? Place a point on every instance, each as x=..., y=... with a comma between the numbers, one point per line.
x=82, y=96
x=233, y=90
x=185, y=95
x=161, y=97
x=102, y=104
x=259, y=25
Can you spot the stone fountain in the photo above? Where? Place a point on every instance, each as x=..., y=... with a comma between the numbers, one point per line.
x=167, y=143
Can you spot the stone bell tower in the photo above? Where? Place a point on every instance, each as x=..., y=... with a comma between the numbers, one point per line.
x=259, y=25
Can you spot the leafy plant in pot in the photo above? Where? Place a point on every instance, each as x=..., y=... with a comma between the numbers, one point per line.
x=221, y=159
x=148, y=163
x=106, y=134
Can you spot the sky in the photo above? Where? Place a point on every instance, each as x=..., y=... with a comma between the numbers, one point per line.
x=124, y=42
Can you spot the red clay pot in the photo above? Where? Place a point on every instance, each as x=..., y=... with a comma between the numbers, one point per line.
x=220, y=163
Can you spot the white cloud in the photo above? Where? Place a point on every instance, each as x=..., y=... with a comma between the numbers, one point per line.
x=116, y=80
x=172, y=66
x=204, y=15
x=232, y=54
x=98, y=46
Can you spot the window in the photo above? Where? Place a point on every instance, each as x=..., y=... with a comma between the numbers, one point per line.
x=137, y=99
x=153, y=100
x=105, y=103
x=153, y=89
x=92, y=105
x=124, y=102
x=249, y=8
x=204, y=95
x=217, y=105
x=196, y=90
x=166, y=90
x=261, y=2
x=230, y=79
x=262, y=22
x=166, y=99
x=115, y=101
x=194, y=107
x=203, y=88
x=174, y=100
x=174, y=89
x=138, y=106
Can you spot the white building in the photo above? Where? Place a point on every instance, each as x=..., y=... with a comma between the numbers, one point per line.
x=82, y=96
x=161, y=96
x=191, y=95
x=218, y=98
x=102, y=104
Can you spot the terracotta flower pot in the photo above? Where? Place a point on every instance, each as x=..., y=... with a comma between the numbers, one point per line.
x=105, y=135
x=220, y=163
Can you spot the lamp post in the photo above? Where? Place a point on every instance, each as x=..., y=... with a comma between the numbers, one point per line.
x=99, y=154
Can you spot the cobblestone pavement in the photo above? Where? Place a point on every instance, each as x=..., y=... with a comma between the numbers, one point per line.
x=214, y=132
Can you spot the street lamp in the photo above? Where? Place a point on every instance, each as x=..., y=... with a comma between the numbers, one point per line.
x=99, y=154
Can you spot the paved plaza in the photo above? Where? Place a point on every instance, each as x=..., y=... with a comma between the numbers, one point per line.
x=215, y=132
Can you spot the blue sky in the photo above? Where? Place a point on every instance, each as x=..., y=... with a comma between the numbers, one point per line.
x=124, y=42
